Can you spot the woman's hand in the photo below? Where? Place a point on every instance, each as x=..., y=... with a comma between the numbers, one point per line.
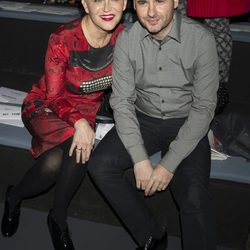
x=83, y=141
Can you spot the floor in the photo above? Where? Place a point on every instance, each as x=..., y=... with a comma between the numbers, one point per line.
x=33, y=234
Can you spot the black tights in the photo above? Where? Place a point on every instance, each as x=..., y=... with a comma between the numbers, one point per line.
x=54, y=167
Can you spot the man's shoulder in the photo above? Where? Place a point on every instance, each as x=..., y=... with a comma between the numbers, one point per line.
x=194, y=28
x=133, y=29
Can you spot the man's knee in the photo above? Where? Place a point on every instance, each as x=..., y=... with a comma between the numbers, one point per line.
x=104, y=166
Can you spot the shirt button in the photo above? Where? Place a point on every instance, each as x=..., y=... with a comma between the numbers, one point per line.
x=160, y=68
x=160, y=48
x=162, y=101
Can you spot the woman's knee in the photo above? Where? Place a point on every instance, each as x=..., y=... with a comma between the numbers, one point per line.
x=51, y=161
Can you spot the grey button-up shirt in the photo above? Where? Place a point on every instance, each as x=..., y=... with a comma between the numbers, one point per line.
x=173, y=79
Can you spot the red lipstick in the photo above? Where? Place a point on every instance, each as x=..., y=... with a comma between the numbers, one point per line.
x=108, y=17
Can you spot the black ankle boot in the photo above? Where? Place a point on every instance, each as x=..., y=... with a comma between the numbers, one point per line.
x=61, y=238
x=155, y=244
x=10, y=220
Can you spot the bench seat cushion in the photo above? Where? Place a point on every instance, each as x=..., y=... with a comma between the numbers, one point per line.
x=235, y=169
x=17, y=137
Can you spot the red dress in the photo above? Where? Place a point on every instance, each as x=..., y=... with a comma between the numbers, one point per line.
x=71, y=88
x=217, y=8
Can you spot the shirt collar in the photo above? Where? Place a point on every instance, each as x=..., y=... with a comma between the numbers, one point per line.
x=175, y=32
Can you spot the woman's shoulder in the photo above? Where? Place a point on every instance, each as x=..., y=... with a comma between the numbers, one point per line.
x=68, y=28
x=68, y=34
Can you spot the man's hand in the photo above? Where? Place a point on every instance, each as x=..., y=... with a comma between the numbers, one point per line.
x=159, y=180
x=142, y=171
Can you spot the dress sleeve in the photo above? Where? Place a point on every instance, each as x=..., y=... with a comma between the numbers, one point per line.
x=56, y=63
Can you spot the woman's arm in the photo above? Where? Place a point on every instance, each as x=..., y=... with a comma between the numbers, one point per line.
x=56, y=63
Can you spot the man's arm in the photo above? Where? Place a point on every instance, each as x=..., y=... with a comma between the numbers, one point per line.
x=197, y=123
x=205, y=85
x=122, y=101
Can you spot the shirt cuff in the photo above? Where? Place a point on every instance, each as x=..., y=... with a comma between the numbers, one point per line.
x=138, y=153
x=73, y=118
x=170, y=161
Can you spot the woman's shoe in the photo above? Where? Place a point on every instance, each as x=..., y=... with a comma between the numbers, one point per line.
x=10, y=220
x=61, y=238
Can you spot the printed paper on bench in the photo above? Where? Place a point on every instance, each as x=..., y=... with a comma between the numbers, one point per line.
x=11, y=122
x=11, y=115
x=10, y=106
x=10, y=112
x=102, y=130
x=8, y=95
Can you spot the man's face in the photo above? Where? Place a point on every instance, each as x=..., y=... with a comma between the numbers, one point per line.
x=156, y=15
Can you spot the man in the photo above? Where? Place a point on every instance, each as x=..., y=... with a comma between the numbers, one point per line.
x=165, y=79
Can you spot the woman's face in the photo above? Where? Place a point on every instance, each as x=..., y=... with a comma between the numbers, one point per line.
x=104, y=14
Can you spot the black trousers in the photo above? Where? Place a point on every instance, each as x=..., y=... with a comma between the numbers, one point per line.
x=189, y=185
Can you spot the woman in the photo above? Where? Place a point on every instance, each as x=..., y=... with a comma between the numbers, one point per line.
x=60, y=113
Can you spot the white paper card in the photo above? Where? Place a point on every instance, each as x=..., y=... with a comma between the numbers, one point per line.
x=10, y=112
x=11, y=95
x=102, y=129
x=16, y=123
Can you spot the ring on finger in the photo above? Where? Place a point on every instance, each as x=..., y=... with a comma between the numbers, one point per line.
x=78, y=150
